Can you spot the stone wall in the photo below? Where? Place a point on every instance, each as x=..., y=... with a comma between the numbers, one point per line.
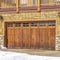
x=58, y=43
x=1, y=40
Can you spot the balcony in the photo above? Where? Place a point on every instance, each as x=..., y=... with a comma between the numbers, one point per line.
x=16, y=6
x=7, y=7
x=50, y=6
x=28, y=5
x=27, y=8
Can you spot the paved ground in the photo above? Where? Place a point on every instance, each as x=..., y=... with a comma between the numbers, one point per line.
x=36, y=52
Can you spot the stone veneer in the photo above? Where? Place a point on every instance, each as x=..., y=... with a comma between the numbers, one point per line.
x=36, y=16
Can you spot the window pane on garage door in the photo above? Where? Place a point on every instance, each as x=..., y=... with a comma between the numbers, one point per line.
x=17, y=24
x=51, y=23
x=10, y=24
x=33, y=24
x=42, y=23
x=25, y=24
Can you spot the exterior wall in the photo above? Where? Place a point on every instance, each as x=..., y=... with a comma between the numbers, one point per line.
x=33, y=16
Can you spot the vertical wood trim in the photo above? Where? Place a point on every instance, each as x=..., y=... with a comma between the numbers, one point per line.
x=5, y=3
x=14, y=35
x=0, y=3
x=29, y=2
x=22, y=35
x=29, y=35
x=5, y=35
x=39, y=5
x=51, y=1
x=38, y=35
x=17, y=5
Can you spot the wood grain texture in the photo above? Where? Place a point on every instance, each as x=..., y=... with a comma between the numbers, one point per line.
x=42, y=37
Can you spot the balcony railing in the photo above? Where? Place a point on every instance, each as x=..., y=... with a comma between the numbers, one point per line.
x=50, y=6
x=17, y=7
x=5, y=7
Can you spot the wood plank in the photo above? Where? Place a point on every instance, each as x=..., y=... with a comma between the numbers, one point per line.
x=52, y=38
x=18, y=37
x=34, y=38
x=43, y=38
x=26, y=36
x=10, y=37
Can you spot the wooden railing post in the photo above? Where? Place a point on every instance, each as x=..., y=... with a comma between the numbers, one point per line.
x=0, y=3
x=29, y=2
x=17, y=5
x=39, y=5
x=51, y=1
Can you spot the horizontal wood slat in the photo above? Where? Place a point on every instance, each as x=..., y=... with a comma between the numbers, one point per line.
x=31, y=8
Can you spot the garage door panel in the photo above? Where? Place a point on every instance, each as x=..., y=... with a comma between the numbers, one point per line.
x=34, y=39
x=26, y=36
x=51, y=32
x=10, y=37
x=52, y=38
x=37, y=41
x=18, y=38
x=41, y=40
x=43, y=37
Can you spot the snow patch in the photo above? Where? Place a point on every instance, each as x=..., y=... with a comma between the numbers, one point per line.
x=2, y=47
x=23, y=56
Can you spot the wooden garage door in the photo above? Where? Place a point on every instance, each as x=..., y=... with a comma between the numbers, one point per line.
x=51, y=34
x=18, y=35
x=10, y=35
x=34, y=35
x=26, y=35
x=31, y=35
x=43, y=35
x=47, y=35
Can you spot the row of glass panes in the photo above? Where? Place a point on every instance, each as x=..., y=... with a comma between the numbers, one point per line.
x=12, y=3
x=5, y=3
x=50, y=1
x=32, y=24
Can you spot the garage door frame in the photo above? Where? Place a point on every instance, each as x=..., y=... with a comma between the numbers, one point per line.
x=5, y=30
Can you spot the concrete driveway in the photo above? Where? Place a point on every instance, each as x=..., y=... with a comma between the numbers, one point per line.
x=36, y=52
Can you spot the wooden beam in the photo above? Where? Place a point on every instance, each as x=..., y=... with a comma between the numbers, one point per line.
x=0, y=3
x=17, y=5
x=39, y=5
x=51, y=1
x=29, y=2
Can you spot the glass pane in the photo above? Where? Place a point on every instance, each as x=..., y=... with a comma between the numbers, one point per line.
x=8, y=3
x=2, y=3
x=34, y=2
x=51, y=23
x=10, y=24
x=42, y=23
x=11, y=3
x=25, y=24
x=23, y=2
x=17, y=24
x=34, y=24
x=44, y=1
x=57, y=1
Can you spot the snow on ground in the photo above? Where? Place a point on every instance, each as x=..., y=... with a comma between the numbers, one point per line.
x=23, y=56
